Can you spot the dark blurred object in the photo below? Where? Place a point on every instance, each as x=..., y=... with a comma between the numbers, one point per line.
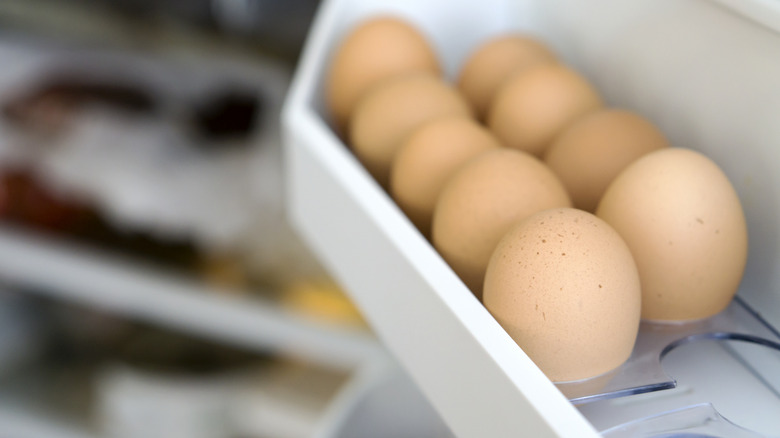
x=277, y=23
x=227, y=114
x=78, y=334
x=180, y=255
x=194, y=11
x=160, y=351
x=276, y=27
x=281, y=23
x=26, y=201
x=77, y=91
x=41, y=112
x=48, y=107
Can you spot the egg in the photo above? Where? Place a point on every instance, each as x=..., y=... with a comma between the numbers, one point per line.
x=392, y=109
x=482, y=200
x=590, y=152
x=486, y=69
x=564, y=286
x=684, y=223
x=428, y=158
x=377, y=48
x=532, y=107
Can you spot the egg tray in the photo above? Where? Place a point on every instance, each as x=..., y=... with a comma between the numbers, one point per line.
x=643, y=371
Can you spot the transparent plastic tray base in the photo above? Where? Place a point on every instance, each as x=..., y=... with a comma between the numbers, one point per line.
x=697, y=421
x=643, y=371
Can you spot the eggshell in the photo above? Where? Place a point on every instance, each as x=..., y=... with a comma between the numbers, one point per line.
x=564, y=286
x=483, y=200
x=428, y=158
x=532, y=107
x=392, y=109
x=590, y=152
x=375, y=49
x=685, y=226
x=486, y=69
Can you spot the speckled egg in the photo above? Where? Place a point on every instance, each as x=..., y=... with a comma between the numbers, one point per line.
x=565, y=287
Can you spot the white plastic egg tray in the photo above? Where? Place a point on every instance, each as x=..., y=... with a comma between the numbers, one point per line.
x=691, y=79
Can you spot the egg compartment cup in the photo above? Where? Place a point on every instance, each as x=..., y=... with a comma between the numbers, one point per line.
x=643, y=371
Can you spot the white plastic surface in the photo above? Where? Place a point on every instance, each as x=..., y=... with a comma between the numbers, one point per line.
x=706, y=75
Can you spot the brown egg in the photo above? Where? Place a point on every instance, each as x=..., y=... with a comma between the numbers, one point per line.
x=532, y=107
x=493, y=62
x=564, y=286
x=394, y=108
x=428, y=158
x=683, y=221
x=590, y=152
x=483, y=200
x=376, y=49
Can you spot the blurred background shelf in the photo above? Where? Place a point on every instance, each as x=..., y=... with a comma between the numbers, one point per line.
x=73, y=370
x=92, y=374
x=20, y=423
x=149, y=280
x=111, y=283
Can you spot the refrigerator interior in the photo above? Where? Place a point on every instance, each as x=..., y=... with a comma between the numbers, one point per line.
x=225, y=267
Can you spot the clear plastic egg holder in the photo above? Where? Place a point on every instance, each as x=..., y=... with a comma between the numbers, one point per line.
x=448, y=342
x=644, y=372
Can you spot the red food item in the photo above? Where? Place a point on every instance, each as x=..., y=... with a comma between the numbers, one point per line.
x=26, y=201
